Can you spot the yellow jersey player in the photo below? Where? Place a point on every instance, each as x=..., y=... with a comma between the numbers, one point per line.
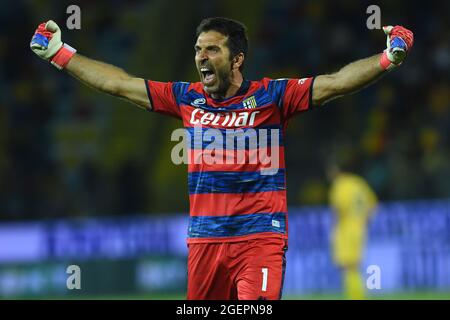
x=353, y=202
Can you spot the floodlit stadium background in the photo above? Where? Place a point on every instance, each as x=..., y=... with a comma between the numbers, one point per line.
x=87, y=179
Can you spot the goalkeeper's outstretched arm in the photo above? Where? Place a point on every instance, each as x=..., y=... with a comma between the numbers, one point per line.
x=349, y=79
x=109, y=79
x=361, y=73
x=47, y=44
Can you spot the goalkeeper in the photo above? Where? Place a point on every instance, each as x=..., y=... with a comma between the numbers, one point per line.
x=237, y=235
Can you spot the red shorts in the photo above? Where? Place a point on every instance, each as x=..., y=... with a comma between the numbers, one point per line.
x=244, y=270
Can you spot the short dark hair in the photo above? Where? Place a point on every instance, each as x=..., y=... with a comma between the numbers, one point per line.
x=235, y=31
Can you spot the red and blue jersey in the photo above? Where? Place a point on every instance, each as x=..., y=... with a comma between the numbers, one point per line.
x=233, y=200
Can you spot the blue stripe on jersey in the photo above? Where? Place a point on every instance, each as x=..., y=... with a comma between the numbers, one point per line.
x=234, y=182
x=276, y=89
x=261, y=96
x=211, y=138
x=239, y=225
x=179, y=90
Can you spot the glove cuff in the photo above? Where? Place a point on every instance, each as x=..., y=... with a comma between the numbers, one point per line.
x=385, y=63
x=63, y=56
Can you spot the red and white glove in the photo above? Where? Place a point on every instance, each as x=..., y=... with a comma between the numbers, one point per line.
x=47, y=44
x=399, y=41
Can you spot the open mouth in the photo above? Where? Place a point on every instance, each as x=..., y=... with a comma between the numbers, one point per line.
x=208, y=76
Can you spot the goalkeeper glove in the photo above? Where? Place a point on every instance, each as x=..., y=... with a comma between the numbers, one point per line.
x=47, y=44
x=399, y=41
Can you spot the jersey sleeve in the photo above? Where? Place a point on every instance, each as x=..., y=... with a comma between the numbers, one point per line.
x=165, y=97
x=291, y=95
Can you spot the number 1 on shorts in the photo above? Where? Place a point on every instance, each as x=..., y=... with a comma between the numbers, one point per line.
x=265, y=272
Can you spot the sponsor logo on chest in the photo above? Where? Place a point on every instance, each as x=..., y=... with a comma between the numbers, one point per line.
x=226, y=119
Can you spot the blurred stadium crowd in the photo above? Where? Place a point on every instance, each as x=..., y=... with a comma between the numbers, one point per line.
x=66, y=150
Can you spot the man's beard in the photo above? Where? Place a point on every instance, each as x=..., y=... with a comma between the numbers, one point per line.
x=223, y=79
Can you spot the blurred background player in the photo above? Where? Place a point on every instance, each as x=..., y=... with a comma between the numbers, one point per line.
x=353, y=202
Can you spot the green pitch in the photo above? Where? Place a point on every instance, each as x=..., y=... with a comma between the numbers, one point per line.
x=399, y=296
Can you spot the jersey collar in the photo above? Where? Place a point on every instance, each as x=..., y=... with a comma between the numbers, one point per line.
x=245, y=85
